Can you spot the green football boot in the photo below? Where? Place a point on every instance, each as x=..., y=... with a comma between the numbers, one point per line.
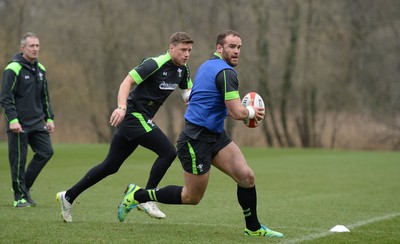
x=128, y=202
x=263, y=231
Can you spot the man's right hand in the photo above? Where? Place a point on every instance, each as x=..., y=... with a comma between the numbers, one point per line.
x=16, y=127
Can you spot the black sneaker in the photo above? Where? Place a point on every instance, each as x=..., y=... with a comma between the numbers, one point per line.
x=30, y=200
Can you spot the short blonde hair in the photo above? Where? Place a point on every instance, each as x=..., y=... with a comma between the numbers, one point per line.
x=180, y=37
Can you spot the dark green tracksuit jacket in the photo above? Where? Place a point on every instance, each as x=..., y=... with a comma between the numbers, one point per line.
x=24, y=94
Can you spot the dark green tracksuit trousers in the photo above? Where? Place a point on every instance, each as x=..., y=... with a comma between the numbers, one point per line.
x=23, y=177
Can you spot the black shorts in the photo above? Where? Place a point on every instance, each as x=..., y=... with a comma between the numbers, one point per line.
x=196, y=155
x=134, y=125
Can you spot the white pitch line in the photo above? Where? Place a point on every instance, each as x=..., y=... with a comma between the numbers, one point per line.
x=349, y=226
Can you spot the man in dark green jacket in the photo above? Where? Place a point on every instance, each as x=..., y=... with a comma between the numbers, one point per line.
x=29, y=116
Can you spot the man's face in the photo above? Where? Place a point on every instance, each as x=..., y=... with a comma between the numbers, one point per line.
x=230, y=51
x=180, y=53
x=30, y=51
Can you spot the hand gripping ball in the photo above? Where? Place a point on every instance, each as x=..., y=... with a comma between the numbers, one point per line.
x=252, y=99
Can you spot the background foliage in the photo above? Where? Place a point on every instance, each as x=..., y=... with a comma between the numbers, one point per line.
x=328, y=70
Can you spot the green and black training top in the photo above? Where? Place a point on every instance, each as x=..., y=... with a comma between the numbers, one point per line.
x=156, y=79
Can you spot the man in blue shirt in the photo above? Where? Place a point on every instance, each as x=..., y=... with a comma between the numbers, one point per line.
x=203, y=141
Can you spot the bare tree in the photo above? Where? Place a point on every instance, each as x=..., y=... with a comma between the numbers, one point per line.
x=328, y=70
x=306, y=120
x=262, y=16
x=289, y=69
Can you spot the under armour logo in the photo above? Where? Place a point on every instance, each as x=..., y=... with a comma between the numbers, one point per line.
x=200, y=167
x=26, y=77
x=150, y=122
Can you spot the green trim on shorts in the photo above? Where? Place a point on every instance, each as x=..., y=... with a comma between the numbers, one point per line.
x=142, y=121
x=193, y=156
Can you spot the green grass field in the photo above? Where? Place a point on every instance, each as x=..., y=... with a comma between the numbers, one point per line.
x=302, y=193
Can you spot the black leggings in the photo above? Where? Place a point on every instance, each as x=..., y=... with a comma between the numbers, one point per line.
x=120, y=150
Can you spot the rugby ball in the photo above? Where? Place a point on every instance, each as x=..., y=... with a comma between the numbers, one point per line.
x=252, y=99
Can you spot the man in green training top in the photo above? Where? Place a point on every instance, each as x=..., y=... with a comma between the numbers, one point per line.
x=29, y=116
x=153, y=80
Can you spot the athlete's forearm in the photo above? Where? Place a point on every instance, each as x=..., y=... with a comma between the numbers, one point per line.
x=124, y=90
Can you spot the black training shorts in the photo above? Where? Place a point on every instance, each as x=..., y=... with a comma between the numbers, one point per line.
x=196, y=155
x=135, y=125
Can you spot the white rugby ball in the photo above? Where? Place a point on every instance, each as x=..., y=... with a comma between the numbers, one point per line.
x=252, y=99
